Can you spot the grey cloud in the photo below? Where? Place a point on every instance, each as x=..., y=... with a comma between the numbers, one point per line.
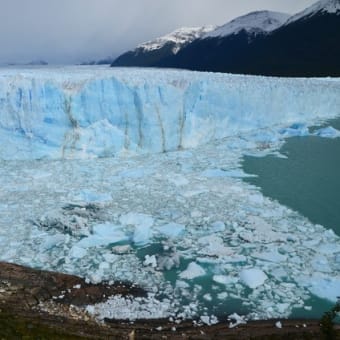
x=68, y=31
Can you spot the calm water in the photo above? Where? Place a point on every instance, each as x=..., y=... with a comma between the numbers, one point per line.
x=307, y=181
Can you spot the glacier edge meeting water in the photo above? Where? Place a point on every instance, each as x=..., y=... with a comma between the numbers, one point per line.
x=79, y=112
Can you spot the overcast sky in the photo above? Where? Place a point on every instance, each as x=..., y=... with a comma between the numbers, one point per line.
x=69, y=31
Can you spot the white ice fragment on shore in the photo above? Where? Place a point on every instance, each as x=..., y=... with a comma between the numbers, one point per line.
x=172, y=229
x=129, y=308
x=193, y=271
x=278, y=324
x=236, y=320
x=253, y=277
x=327, y=132
x=209, y=320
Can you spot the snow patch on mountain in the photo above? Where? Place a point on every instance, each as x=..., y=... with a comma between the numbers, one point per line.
x=322, y=6
x=179, y=37
x=254, y=22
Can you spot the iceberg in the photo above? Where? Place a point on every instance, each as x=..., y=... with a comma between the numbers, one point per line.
x=76, y=112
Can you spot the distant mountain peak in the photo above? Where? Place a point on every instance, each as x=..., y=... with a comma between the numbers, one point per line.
x=179, y=38
x=254, y=22
x=322, y=6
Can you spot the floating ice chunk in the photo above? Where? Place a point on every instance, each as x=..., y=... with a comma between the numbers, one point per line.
x=323, y=286
x=142, y=224
x=136, y=173
x=328, y=132
x=142, y=235
x=234, y=173
x=271, y=256
x=150, y=261
x=193, y=271
x=261, y=231
x=212, y=245
x=92, y=197
x=253, y=277
x=295, y=130
x=178, y=180
x=225, y=280
x=103, y=234
x=217, y=226
x=106, y=230
x=136, y=219
x=328, y=248
x=282, y=308
x=52, y=241
x=77, y=252
x=320, y=263
x=172, y=229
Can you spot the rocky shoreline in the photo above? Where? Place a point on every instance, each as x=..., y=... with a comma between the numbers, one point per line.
x=48, y=305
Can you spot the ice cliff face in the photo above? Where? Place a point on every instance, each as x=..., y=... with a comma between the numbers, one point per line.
x=97, y=112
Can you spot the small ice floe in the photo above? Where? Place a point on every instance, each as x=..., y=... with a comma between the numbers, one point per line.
x=253, y=277
x=170, y=258
x=193, y=271
x=172, y=229
x=296, y=129
x=103, y=235
x=142, y=227
x=150, y=261
x=327, y=132
x=236, y=320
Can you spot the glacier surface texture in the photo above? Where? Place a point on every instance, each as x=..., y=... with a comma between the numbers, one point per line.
x=77, y=113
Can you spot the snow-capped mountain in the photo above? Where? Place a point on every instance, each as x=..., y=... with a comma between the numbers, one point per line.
x=156, y=51
x=179, y=38
x=263, y=43
x=151, y=52
x=254, y=22
x=320, y=7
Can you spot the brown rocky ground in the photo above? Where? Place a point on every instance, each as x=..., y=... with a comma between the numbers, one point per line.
x=37, y=304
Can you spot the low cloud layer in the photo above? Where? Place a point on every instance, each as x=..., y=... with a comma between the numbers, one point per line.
x=69, y=31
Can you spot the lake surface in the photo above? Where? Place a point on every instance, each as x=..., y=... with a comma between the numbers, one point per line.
x=308, y=180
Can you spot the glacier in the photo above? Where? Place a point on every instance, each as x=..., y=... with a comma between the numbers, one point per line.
x=181, y=224
x=79, y=112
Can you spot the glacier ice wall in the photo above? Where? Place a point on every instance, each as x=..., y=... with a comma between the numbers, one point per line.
x=80, y=112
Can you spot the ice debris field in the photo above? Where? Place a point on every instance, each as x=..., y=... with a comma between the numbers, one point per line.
x=133, y=174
